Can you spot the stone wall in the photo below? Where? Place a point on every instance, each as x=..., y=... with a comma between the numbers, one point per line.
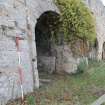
x=98, y=11
x=18, y=19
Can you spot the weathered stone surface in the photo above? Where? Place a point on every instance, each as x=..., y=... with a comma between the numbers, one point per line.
x=69, y=63
x=98, y=11
x=64, y=60
x=15, y=17
x=46, y=63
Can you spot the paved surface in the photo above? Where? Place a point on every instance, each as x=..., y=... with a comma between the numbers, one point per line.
x=99, y=101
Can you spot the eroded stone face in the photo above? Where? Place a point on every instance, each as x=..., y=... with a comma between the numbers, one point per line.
x=15, y=17
x=98, y=11
x=18, y=19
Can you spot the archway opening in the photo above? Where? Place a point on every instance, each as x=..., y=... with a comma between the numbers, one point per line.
x=103, y=52
x=46, y=25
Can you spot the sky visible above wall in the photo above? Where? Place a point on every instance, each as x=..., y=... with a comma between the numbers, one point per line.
x=103, y=2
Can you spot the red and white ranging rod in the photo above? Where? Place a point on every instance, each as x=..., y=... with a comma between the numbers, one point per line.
x=20, y=67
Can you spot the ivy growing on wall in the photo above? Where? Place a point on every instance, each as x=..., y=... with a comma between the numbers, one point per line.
x=77, y=20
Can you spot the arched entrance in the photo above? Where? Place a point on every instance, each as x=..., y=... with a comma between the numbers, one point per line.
x=46, y=23
x=103, y=52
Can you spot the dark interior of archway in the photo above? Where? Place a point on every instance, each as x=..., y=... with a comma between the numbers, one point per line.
x=46, y=23
x=103, y=53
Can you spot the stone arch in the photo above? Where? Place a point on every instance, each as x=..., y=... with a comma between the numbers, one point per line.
x=96, y=44
x=100, y=49
x=103, y=51
x=42, y=6
x=45, y=23
x=50, y=6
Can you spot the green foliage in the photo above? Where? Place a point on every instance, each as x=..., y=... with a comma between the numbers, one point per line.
x=82, y=66
x=77, y=20
x=31, y=100
x=68, y=90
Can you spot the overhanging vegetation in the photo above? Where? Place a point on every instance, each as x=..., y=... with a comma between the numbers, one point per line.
x=77, y=20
